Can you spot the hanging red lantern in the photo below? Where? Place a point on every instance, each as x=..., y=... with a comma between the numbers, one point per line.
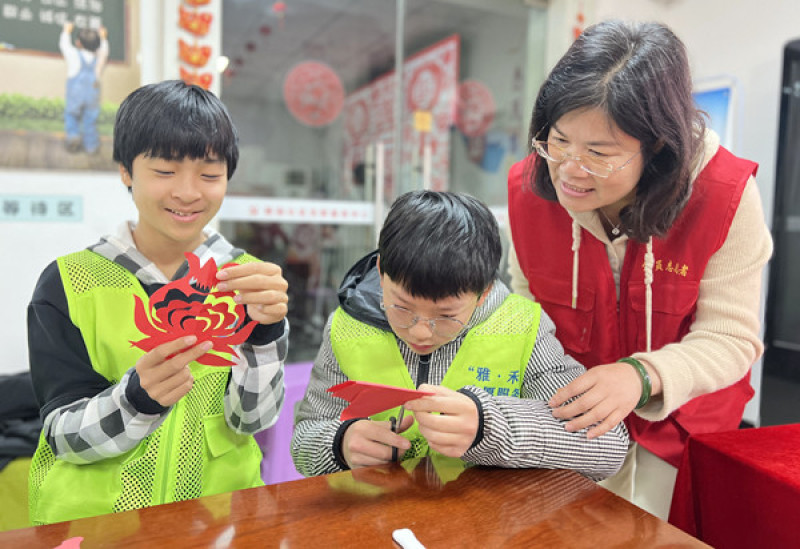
x=193, y=55
x=198, y=79
x=196, y=23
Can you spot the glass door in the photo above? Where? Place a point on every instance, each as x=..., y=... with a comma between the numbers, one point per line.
x=316, y=87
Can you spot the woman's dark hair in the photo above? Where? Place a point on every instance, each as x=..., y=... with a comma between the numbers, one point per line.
x=440, y=244
x=174, y=120
x=638, y=73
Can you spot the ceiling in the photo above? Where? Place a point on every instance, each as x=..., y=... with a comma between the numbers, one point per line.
x=355, y=37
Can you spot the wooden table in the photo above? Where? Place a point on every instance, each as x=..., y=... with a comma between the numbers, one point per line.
x=442, y=505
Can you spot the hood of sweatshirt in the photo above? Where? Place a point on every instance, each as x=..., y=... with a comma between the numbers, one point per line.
x=360, y=293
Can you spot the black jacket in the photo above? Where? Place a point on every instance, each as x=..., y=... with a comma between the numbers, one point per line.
x=19, y=418
x=360, y=293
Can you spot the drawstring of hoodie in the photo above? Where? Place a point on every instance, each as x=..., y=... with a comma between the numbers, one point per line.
x=576, y=245
x=649, y=263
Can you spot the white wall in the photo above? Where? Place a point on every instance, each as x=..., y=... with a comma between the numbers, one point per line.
x=28, y=247
x=743, y=40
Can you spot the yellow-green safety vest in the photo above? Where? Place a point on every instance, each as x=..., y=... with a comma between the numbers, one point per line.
x=493, y=356
x=193, y=453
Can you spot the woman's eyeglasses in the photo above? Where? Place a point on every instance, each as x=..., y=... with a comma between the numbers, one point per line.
x=587, y=163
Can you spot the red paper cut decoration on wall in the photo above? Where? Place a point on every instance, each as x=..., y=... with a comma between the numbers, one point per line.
x=191, y=306
x=198, y=2
x=357, y=121
x=424, y=87
x=193, y=55
x=196, y=23
x=313, y=93
x=476, y=108
x=198, y=79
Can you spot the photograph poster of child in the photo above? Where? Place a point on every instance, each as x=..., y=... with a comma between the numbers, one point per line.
x=67, y=69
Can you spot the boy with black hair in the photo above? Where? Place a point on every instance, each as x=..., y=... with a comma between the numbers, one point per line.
x=123, y=428
x=86, y=60
x=427, y=311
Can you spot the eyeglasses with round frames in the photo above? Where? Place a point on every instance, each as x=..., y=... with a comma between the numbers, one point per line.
x=441, y=326
x=590, y=165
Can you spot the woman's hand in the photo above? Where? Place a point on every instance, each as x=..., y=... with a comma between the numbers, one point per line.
x=608, y=393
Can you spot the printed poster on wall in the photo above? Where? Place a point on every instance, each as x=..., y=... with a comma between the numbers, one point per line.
x=60, y=116
x=430, y=88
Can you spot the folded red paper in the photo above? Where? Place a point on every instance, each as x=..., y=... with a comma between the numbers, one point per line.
x=367, y=399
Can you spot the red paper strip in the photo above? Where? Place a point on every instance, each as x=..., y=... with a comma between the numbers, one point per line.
x=367, y=399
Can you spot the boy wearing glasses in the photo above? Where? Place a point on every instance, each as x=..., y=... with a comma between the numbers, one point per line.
x=427, y=311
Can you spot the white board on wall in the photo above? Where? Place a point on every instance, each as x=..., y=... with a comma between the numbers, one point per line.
x=99, y=202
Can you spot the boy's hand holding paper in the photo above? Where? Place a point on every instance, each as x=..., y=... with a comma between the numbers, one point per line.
x=448, y=420
x=369, y=442
x=367, y=399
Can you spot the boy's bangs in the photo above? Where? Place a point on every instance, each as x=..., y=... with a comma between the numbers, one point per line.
x=176, y=142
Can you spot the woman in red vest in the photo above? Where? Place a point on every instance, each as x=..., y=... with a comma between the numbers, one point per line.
x=644, y=240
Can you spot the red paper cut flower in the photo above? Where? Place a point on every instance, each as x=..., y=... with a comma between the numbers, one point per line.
x=190, y=306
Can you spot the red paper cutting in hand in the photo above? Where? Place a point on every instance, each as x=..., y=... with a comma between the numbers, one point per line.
x=367, y=399
x=190, y=306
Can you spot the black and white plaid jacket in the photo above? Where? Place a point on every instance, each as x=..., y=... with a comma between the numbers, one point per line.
x=513, y=432
x=86, y=418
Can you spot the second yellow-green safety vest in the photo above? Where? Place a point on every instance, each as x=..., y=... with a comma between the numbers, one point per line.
x=493, y=356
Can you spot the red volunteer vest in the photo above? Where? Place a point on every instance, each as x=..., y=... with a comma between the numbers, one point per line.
x=596, y=332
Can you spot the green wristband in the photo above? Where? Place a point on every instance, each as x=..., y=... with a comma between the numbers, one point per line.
x=647, y=386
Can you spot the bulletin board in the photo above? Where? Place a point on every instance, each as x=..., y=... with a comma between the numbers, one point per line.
x=35, y=25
